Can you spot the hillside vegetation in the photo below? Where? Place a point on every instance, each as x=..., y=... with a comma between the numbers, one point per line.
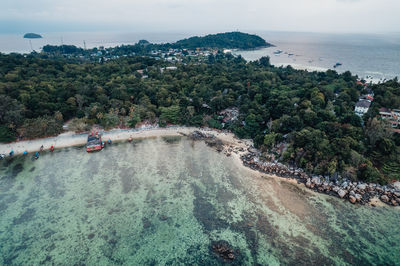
x=311, y=114
x=229, y=40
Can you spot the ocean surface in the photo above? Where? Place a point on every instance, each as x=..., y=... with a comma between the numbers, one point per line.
x=374, y=57
x=167, y=201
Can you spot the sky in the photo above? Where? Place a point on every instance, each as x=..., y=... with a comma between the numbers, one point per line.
x=342, y=16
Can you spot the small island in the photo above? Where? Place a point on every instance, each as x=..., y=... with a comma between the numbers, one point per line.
x=32, y=36
x=228, y=40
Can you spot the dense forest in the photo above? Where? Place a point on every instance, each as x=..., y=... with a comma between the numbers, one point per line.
x=229, y=40
x=310, y=114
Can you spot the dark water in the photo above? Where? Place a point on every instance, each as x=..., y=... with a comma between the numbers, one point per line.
x=164, y=202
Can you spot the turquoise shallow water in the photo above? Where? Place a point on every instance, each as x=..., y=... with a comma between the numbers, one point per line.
x=165, y=201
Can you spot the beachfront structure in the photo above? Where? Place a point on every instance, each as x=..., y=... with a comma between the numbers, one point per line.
x=393, y=116
x=362, y=107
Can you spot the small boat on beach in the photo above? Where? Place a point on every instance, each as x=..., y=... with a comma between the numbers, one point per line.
x=277, y=52
x=94, y=142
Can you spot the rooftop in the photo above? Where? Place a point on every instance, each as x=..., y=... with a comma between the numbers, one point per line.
x=363, y=103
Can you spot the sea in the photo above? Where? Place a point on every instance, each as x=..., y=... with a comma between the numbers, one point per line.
x=174, y=201
x=373, y=57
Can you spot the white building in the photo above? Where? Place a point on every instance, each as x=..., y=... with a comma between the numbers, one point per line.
x=362, y=107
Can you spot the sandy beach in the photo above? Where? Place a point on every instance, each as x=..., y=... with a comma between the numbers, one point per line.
x=233, y=146
x=69, y=139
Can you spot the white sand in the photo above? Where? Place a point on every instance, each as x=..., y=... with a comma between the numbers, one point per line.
x=69, y=139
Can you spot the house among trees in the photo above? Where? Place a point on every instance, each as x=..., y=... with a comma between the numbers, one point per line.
x=369, y=93
x=229, y=114
x=393, y=116
x=362, y=107
x=365, y=100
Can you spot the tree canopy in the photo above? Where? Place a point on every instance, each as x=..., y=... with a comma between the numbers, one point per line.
x=312, y=113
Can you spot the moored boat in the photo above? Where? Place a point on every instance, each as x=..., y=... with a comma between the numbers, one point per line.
x=94, y=142
x=337, y=64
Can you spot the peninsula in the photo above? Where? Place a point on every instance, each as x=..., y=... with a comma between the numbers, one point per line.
x=190, y=46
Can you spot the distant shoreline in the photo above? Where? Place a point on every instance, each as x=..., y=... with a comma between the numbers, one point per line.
x=13, y=43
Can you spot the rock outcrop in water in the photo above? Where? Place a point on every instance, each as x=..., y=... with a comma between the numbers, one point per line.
x=198, y=135
x=224, y=250
x=209, y=139
x=355, y=192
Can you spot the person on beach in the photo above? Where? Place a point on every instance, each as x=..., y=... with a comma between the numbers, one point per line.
x=130, y=138
x=109, y=141
x=41, y=148
x=25, y=152
x=36, y=156
x=51, y=148
x=11, y=153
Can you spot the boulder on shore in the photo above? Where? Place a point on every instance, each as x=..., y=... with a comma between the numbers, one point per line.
x=198, y=135
x=384, y=198
x=316, y=180
x=361, y=186
x=352, y=199
x=342, y=193
x=358, y=197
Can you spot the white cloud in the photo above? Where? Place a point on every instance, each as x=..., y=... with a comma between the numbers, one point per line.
x=208, y=15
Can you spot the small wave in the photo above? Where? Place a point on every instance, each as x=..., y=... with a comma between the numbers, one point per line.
x=304, y=67
x=373, y=73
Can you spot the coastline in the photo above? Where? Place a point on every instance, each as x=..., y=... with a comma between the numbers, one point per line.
x=69, y=139
x=242, y=152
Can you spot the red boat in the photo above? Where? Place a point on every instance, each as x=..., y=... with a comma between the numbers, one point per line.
x=94, y=143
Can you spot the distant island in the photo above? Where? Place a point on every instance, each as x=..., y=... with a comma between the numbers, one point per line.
x=229, y=40
x=32, y=36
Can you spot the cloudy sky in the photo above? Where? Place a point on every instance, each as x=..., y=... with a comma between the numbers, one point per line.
x=375, y=16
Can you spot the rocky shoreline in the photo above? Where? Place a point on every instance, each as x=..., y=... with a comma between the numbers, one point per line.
x=355, y=192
